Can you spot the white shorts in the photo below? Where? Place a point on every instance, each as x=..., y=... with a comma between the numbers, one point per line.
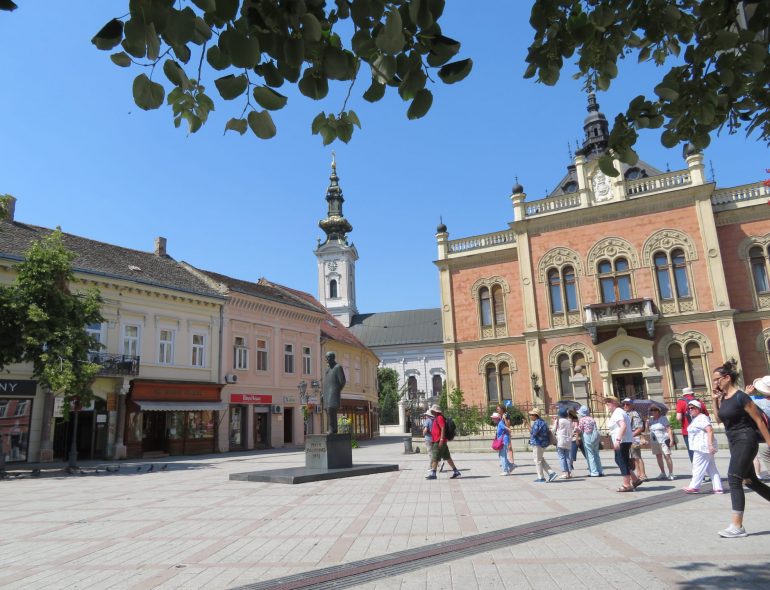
x=660, y=448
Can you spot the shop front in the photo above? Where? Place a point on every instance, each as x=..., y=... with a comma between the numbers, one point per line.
x=172, y=418
x=359, y=415
x=250, y=414
x=16, y=397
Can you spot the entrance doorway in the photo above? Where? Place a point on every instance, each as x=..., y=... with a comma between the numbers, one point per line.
x=153, y=432
x=261, y=427
x=629, y=385
x=288, y=425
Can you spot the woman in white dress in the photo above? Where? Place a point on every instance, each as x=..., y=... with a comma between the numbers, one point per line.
x=703, y=445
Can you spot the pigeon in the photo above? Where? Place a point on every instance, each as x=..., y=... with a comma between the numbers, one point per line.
x=139, y=468
x=35, y=473
x=152, y=468
x=164, y=468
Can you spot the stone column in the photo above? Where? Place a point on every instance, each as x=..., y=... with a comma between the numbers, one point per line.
x=120, y=446
x=402, y=415
x=580, y=391
x=46, y=429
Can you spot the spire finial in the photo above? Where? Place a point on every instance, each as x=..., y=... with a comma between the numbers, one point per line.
x=569, y=151
x=334, y=161
x=713, y=174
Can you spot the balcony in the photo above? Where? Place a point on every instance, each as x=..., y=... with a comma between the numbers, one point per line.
x=631, y=313
x=115, y=364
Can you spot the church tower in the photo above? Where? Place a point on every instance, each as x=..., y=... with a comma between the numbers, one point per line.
x=336, y=258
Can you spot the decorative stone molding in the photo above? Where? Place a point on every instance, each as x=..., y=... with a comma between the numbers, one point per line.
x=612, y=248
x=762, y=338
x=683, y=339
x=496, y=359
x=667, y=240
x=558, y=257
x=749, y=242
x=570, y=349
x=489, y=283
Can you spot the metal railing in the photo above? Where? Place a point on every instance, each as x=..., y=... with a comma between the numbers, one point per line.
x=115, y=364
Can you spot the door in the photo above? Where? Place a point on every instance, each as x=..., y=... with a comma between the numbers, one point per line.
x=629, y=385
x=261, y=429
x=288, y=425
x=237, y=430
x=153, y=431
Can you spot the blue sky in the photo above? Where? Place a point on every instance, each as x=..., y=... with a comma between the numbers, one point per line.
x=78, y=153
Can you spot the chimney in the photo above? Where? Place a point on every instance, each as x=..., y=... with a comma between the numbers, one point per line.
x=160, y=246
x=7, y=207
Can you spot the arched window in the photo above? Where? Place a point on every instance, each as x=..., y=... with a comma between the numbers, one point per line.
x=486, y=306
x=759, y=269
x=563, y=290
x=491, y=377
x=497, y=304
x=614, y=280
x=411, y=386
x=505, y=382
x=687, y=365
x=437, y=383
x=671, y=274
x=565, y=372
x=333, y=289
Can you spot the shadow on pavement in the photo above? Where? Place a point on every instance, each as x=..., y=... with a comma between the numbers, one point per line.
x=734, y=576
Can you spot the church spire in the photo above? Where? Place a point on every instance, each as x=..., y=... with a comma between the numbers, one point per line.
x=335, y=225
x=597, y=131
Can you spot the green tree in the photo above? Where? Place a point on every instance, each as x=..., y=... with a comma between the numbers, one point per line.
x=387, y=383
x=43, y=322
x=469, y=419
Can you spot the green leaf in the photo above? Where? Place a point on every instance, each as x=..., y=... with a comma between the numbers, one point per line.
x=227, y=9
x=606, y=165
x=384, y=68
x=107, y=37
x=217, y=58
x=271, y=74
x=420, y=105
x=244, y=51
x=338, y=64
x=261, y=123
x=268, y=98
x=455, y=71
x=10, y=6
x=175, y=74
x=231, y=86
x=135, y=40
x=669, y=138
x=148, y=95
x=239, y=125
x=294, y=51
x=153, y=42
x=353, y=118
x=412, y=84
x=312, y=86
x=442, y=49
x=318, y=122
x=375, y=92
x=205, y=5
x=121, y=59
x=390, y=38
x=363, y=44
x=311, y=28
x=666, y=92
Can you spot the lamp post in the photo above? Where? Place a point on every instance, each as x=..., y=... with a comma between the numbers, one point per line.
x=535, y=385
x=304, y=397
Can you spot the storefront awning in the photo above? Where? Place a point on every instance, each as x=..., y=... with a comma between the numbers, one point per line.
x=180, y=406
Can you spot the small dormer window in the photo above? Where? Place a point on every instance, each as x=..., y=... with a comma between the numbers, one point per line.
x=633, y=173
x=570, y=187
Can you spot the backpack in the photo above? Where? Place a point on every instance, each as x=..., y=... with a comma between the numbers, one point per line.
x=450, y=429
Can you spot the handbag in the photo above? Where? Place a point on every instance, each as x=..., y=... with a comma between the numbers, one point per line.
x=552, y=438
x=497, y=444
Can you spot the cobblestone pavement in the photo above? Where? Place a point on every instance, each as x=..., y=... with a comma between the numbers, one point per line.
x=189, y=526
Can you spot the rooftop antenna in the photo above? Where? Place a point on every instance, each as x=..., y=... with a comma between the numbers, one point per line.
x=713, y=174
x=569, y=151
x=668, y=168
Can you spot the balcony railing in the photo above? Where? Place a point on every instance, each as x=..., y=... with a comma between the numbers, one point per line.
x=552, y=204
x=660, y=182
x=730, y=198
x=478, y=242
x=115, y=364
x=620, y=313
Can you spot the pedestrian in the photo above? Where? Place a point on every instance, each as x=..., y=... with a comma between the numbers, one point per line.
x=539, y=440
x=440, y=444
x=589, y=435
x=427, y=427
x=502, y=433
x=661, y=436
x=761, y=389
x=562, y=427
x=506, y=418
x=576, y=441
x=683, y=415
x=704, y=448
x=619, y=424
x=741, y=418
x=637, y=428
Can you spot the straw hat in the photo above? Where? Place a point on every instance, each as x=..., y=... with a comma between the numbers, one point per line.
x=435, y=409
x=762, y=385
x=535, y=412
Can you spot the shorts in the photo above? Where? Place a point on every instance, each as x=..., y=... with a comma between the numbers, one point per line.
x=441, y=452
x=660, y=448
x=636, y=451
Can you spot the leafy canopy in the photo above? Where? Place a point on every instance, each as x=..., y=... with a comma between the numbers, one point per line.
x=44, y=323
x=716, y=52
x=387, y=383
x=253, y=47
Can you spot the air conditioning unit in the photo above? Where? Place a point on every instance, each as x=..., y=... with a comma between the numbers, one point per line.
x=277, y=409
x=231, y=378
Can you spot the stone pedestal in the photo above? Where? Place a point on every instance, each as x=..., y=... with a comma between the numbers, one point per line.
x=328, y=451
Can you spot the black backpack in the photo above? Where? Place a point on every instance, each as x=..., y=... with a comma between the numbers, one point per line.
x=450, y=429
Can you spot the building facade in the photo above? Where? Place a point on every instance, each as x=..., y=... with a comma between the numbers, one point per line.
x=637, y=285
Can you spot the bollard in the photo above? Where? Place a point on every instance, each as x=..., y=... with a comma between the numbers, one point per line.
x=408, y=445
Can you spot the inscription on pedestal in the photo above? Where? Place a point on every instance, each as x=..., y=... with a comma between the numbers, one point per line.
x=328, y=451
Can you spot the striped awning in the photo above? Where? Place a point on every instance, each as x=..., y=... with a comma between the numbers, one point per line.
x=180, y=406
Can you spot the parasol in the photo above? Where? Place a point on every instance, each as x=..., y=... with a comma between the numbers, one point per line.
x=643, y=407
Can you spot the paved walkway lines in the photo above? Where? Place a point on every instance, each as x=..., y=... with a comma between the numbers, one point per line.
x=369, y=570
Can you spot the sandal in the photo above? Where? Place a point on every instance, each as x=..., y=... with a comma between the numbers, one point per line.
x=637, y=483
x=625, y=489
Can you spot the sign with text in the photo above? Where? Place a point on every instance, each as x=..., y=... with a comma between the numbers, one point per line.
x=250, y=398
x=17, y=387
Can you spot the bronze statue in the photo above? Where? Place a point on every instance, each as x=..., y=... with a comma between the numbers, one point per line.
x=333, y=382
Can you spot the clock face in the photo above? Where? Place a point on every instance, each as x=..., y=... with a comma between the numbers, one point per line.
x=332, y=265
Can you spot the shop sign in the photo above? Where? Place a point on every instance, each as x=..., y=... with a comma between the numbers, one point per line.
x=289, y=399
x=250, y=398
x=18, y=387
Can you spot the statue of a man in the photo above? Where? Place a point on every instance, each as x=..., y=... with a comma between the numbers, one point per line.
x=333, y=382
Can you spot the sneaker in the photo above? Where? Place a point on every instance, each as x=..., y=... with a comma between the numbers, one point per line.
x=661, y=476
x=430, y=476
x=512, y=467
x=671, y=477
x=505, y=473
x=540, y=480
x=719, y=491
x=455, y=475
x=732, y=532
x=691, y=490
x=707, y=478
x=553, y=475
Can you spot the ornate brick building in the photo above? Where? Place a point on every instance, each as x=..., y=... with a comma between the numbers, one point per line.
x=635, y=285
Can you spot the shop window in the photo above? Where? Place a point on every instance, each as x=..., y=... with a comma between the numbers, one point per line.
x=3, y=408
x=614, y=280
